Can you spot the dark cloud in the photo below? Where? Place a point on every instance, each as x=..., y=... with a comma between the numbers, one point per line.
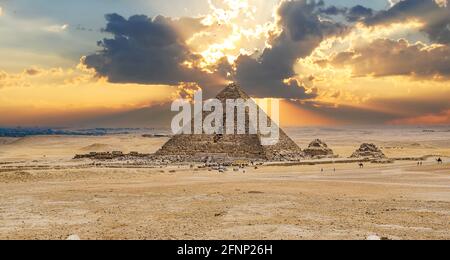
x=435, y=17
x=346, y=114
x=152, y=51
x=418, y=110
x=441, y=118
x=32, y=72
x=148, y=51
x=354, y=14
x=333, y=10
x=302, y=31
x=379, y=110
x=358, y=13
x=385, y=57
x=414, y=107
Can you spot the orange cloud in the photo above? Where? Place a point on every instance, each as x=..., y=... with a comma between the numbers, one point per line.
x=294, y=115
x=442, y=118
x=43, y=95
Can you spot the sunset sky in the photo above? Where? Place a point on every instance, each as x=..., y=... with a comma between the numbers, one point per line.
x=120, y=63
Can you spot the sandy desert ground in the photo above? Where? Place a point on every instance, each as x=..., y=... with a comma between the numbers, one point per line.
x=44, y=194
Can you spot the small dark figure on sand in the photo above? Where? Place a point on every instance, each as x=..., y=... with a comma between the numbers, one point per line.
x=439, y=161
x=361, y=165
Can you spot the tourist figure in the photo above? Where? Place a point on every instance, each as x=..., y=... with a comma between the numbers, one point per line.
x=361, y=165
x=439, y=161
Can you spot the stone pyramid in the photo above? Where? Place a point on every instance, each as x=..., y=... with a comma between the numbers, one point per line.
x=232, y=146
x=368, y=151
x=318, y=149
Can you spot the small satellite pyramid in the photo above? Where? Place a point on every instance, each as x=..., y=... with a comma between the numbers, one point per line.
x=193, y=147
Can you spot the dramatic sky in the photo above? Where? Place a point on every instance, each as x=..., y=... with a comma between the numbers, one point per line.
x=121, y=62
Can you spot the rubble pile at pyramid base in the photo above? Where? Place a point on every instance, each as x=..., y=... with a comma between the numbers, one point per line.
x=368, y=151
x=200, y=148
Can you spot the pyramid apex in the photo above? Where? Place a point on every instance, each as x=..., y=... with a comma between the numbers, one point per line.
x=233, y=84
x=232, y=91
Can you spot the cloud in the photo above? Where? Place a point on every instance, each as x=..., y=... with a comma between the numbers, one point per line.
x=14, y=80
x=154, y=116
x=351, y=14
x=406, y=107
x=354, y=14
x=301, y=30
x=149, y=51
x=33, y=71
x=441, y=118
x=36, y=76
x=160, y=50
x=393, y=2
x=384, y=57
x=233, y=27
x=346, y=114
x=358, y=13
x=333, y=10
x=155, y=51
x=56, y=28
x=382, y=110
x=418, y=110
x=434, y=14
x=65, y=97
x=442, y=3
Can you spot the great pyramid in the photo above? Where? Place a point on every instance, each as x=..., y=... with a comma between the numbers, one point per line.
x=234, y=146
